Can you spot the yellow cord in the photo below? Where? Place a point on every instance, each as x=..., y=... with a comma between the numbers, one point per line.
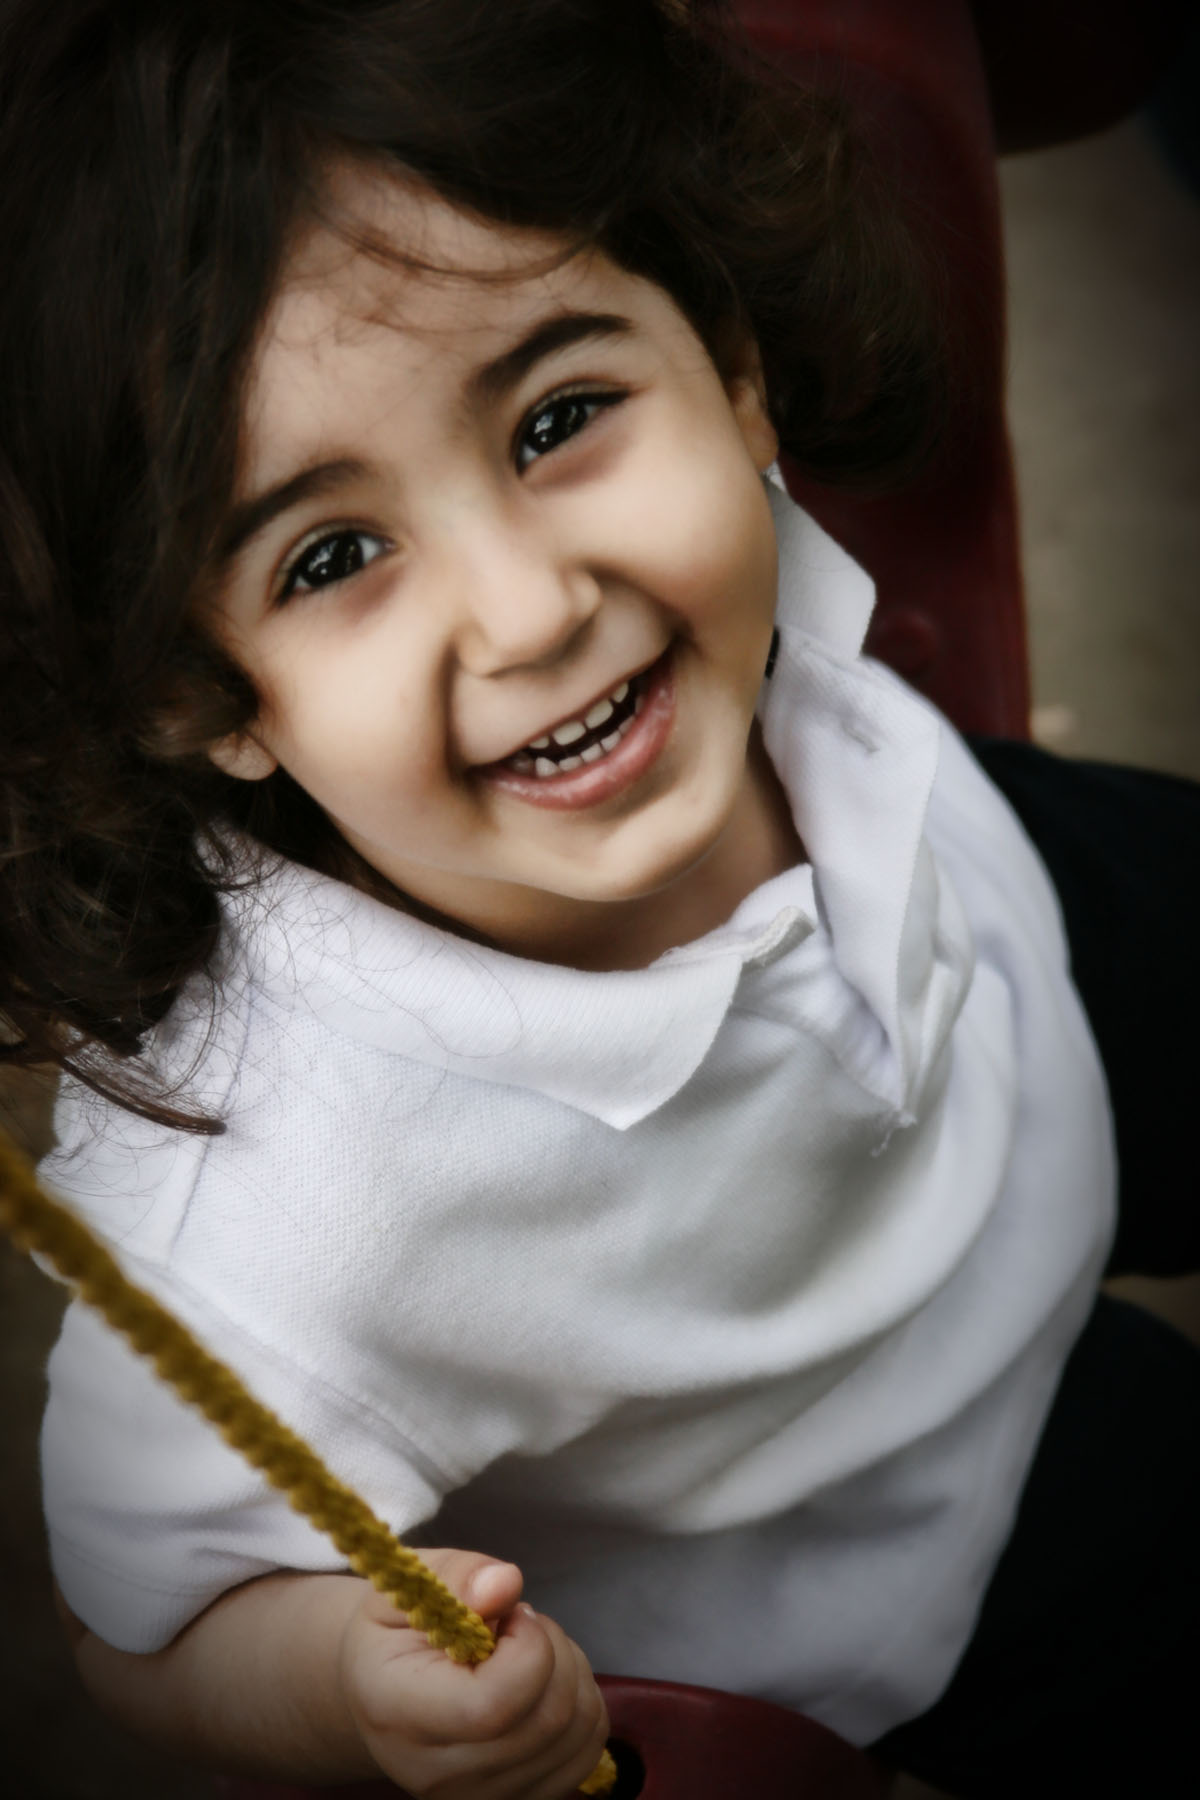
x=36, y=1222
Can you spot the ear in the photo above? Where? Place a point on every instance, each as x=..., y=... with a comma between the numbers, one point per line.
x=747, y=391
x=243, y=757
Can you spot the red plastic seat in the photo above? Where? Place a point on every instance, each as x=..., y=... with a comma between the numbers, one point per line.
x=944, y=553
x=687, y=1743
x=938, y=83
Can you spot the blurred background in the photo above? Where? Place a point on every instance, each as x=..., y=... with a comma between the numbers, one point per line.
x=1103, y=248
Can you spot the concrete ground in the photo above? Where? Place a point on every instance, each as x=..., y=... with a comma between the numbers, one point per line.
x=1104, y=251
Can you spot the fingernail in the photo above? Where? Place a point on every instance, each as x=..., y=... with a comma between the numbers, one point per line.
x=523, y=1606
x=479, y=1587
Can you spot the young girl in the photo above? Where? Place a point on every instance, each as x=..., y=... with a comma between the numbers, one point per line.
x=597, y=1055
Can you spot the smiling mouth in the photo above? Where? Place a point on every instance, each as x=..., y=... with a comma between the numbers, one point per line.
x=587, y=739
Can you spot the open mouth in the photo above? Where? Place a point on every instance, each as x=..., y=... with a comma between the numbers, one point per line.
x=601, y=756
x=587, y=739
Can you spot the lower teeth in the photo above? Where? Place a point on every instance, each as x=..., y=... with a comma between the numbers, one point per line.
x=543, y=766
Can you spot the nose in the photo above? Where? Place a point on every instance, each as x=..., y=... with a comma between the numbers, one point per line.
x=524, y=601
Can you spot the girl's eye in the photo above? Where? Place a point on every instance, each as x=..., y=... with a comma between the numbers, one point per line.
x=326, y=560
x=555, y=420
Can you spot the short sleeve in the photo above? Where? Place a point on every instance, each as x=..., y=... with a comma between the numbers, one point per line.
x=151, y=1515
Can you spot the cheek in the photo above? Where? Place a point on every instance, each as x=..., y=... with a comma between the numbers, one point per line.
x=697, y=508
x=726, y=568
x=337, y=716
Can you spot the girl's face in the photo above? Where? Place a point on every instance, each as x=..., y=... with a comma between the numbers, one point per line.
x=501, y=569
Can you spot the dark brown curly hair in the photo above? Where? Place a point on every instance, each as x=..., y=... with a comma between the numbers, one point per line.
x=158, y=161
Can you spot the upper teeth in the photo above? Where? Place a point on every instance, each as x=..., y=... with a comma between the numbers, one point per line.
x=574, y=729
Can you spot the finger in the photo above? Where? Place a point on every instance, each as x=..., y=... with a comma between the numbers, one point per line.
x=559, y=1768
x=485, y=1584
x=489, y=1586
x=541, y=1761
x=519, y=1680
x=568, y=1725
x=408, y=1688
x=579, y=1748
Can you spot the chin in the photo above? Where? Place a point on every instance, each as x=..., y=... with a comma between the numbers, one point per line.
x=657, y=876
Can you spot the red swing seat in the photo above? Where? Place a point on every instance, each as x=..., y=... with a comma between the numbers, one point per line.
x=686, y=1743
x=944, y=551
x=945, y=558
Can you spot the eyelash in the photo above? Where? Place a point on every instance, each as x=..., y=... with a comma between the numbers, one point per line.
x=588, y=399
x=583, y=397
x=293, y=572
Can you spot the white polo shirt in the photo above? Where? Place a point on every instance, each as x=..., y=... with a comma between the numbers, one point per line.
x=727, y=1296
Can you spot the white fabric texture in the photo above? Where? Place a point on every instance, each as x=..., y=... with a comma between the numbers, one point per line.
x=727, y=1296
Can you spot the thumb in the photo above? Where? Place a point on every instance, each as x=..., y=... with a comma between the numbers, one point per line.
x=491, y=1588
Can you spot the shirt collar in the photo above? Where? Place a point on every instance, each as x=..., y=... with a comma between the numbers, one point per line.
x=824, y=595
x=617, y=1045
x=857, y=753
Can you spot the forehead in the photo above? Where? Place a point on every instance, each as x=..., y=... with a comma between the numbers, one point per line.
x=380, y=229
x=396, y=260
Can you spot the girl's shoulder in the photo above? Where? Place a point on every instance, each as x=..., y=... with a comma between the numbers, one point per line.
x=131, y=1176
x=130, y=1173
x=309, y=978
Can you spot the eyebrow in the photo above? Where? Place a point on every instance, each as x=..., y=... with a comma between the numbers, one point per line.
x=249, y=517
x=487, y=384
x=501, y=375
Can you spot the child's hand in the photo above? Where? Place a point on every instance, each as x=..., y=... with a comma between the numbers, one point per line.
x=528, y=1724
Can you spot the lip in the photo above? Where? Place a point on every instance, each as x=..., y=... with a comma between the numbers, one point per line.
x=626, y=764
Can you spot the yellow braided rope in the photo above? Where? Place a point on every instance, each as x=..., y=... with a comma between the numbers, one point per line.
x=35, y=1222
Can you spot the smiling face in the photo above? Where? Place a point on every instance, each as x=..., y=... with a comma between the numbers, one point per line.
x=502, y=572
